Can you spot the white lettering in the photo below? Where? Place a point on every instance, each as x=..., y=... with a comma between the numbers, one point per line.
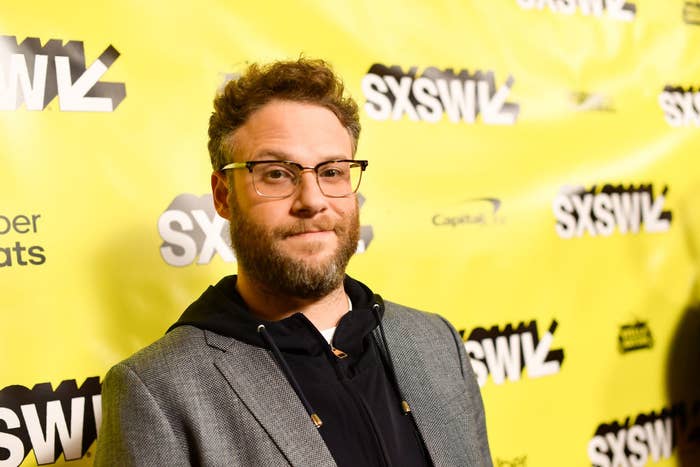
x=605, y=222
x=9, y=442
x=476, y=354
x=213, y=241
x=638, y=450
x=616, y=10
x=627, y=211
x=378, y=105
x=459, y=100
x=71, y=96
x=504, y=358
x=583, y=207
x=659, y=438
x=44, y=443
x=18, y=75
x=651, y=214
x=672, y=114
x=563, y=212
x=402, y=94
x=429, y=109
x=617, y=446
x=175, y=237
x=535, y=357
x=492, y=108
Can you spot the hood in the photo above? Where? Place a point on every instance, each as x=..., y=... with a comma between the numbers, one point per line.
x=222, y=310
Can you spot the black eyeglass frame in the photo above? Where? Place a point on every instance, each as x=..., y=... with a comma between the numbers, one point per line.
x=250, y=164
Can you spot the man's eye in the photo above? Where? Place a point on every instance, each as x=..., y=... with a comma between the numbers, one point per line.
x=332, y=172
x=277, y=174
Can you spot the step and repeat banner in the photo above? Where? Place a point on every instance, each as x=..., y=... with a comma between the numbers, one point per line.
x=534, y=177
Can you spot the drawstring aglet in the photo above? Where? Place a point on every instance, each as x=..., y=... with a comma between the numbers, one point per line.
x=317, y=420
x=405, y=407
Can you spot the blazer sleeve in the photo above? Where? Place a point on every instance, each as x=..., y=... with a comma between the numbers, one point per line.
x=473, y=394
x=134, y=430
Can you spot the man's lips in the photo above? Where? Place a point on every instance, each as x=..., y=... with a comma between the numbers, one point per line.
x=311, y=234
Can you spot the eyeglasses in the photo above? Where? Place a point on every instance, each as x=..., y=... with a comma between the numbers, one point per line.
x=279, y=179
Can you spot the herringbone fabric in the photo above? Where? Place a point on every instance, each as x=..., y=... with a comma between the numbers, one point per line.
x=198, y=398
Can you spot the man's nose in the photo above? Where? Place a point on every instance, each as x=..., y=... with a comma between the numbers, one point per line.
x=309, y=199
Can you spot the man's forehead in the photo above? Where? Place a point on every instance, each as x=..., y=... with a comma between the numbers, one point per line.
x=289, y=130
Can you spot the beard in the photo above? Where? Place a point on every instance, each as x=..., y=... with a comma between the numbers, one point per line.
x=258, y=253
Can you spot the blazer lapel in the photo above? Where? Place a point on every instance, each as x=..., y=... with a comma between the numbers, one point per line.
x=420, y=384
x=257, y=380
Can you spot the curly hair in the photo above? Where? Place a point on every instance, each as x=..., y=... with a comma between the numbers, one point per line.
x=304, y=80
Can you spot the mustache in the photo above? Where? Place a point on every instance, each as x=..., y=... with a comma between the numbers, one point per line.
x=303, y=226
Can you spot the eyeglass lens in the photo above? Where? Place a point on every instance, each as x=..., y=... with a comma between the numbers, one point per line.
x=278, y=179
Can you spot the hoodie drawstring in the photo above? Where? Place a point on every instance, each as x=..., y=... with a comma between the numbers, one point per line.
x=290, y=376
x=378, y=305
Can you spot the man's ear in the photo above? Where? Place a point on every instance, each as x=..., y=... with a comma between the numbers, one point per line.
x=219, y=191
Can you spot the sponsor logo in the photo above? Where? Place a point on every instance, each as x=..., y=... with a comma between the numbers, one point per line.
x=18, y=254
x=620, y=10
x=31, y=419
x=649, y=439
x=191, y=231
x=612, y=207
x=634, y=336
x=515, y=462
x=34, y=74
x=505, y=353
x=691, y=13
x=392, y=93
x=478, y=211
x=584, y=102
x=681, y=105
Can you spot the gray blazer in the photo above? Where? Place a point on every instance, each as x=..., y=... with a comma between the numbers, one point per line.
x=195, y=397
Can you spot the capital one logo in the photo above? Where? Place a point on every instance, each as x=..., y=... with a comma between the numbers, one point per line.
x=192, y=232
x=34, y=75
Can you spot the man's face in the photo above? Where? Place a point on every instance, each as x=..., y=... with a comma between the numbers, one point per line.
x=300, y=245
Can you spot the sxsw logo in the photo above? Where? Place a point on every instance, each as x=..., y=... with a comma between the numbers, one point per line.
x=49, y=422
x=192, y=231
x=620, y=10
x=593, y=212
x=681, y=105
x=649, y=439
x=505, y=353
x=34, y=74
x=392, y=93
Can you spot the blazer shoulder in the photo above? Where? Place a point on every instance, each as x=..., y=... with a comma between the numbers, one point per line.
x=407, y=317
x=183, y=347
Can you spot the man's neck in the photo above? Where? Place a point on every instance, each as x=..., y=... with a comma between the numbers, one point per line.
x=324, y=312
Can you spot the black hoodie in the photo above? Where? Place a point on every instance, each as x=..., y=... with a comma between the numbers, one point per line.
x=356, y=397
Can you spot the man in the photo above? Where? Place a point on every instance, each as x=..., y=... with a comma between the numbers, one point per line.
x=291, y=362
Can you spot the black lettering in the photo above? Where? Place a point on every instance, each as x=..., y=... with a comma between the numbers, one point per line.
x=19, y=222
x=36, y=252
x=6, y=222
x=18, y=248
x=8, y=257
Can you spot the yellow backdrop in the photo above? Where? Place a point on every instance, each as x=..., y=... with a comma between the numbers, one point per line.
x=534, y=177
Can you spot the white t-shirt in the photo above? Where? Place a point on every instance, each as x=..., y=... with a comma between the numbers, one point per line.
x=328, y=333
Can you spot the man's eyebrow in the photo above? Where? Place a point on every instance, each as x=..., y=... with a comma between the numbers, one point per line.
x=271, y=154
